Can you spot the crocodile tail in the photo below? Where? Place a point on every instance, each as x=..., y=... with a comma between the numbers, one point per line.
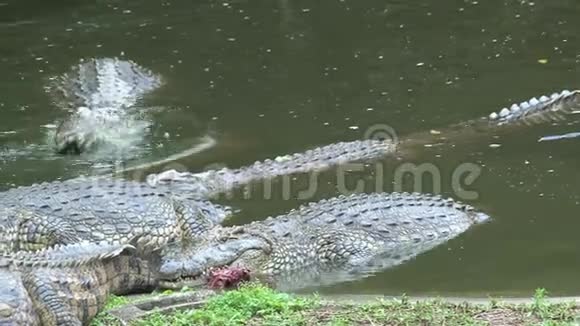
x=317, y=159
x=553, y=108
x=71, y=255
x=534, y=111
x=546, y=109
x=102, y=83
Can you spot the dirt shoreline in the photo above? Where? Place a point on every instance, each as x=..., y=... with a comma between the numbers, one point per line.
x=371, y=298
x=207, y=307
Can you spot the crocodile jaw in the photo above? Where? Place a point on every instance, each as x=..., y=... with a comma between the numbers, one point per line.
x=192, y=266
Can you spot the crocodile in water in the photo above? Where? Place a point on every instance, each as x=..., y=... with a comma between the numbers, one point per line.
x=115, y=210
x=333, y=240
x=102, y=97
x=175, y=205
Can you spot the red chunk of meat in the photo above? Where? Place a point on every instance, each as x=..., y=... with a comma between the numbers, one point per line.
x=227, y=277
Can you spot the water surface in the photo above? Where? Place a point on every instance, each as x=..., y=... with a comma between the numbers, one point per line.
x=274, y=77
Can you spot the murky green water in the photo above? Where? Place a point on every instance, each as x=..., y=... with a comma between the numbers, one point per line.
x=273, y=77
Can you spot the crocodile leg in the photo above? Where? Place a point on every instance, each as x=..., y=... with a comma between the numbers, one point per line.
x=193, y=221
x=26, y=230
x=52, y=309
x=35, y=234
x=16, y=306
x=69, y=285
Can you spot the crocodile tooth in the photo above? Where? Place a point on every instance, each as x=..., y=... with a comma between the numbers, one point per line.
x=565, y=92
x=514, y=108
x=544, y=98
x=524, y=105
x=493, y=116
x=505, y=112
x=534, y=101
x=555, y=96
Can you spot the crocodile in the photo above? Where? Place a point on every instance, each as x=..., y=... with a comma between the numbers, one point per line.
x=68, y=285
x=106, y=208
x=175, y=205
x=334, y=240
x=545, y=109
x=97, y=209
x=102, y=97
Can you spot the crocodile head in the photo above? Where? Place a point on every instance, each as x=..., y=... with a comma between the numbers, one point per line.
x=190, y=264
x=86, y=128
x=77, y=133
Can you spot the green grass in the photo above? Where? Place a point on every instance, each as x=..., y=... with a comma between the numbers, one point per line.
x=254, y=304
x=104, y=319
x=237, y=308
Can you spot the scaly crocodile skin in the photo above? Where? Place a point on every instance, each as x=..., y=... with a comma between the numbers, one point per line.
x=339, y=239
x=173, y=205
x=102, y=96
x=68, y=285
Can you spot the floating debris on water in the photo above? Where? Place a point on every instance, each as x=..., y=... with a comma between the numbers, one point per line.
x=558, y=137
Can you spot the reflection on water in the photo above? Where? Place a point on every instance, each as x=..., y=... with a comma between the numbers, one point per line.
x=275, y=77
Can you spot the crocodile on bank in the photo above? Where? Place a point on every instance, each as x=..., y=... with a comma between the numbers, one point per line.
x=174, y=206
x=101, y=209
x=69, y=285
x=102, y=96
x=329, y=241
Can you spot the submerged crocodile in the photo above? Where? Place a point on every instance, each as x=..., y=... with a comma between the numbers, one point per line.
x=175, y=206
x=102, y=96
x=69, y=285
x=325, y=242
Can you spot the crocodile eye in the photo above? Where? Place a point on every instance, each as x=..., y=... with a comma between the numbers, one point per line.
x=225, y=238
